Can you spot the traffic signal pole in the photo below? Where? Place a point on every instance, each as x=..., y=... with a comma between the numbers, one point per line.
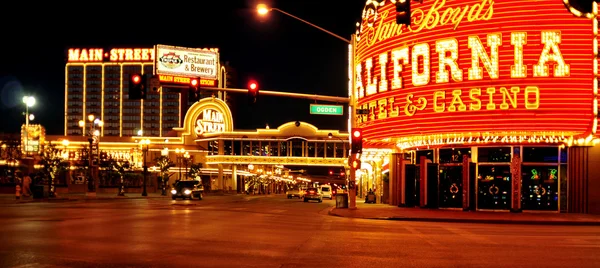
x=285, y=94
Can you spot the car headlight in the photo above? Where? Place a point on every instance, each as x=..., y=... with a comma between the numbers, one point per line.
x=187, y=192
x=173, y=191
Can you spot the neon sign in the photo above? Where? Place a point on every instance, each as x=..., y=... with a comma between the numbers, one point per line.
x=113, y=55
x=209, y=121
x=474, y=68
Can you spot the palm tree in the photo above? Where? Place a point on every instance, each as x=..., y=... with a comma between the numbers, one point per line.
x=164, y=163
x=53, y=164
x=120, y=168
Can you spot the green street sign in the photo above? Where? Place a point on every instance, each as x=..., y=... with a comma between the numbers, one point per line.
x=327, y=109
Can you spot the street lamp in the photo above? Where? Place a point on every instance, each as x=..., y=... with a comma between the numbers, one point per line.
x=145, y=142
x=186, y=157
x=93, y=134
x=263, y=10
x=179, y=153
x=29, y=101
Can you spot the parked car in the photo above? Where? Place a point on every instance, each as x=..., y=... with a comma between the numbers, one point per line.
x=295, y=192
x=187, y=189
x=313, y=193
x=326, y=191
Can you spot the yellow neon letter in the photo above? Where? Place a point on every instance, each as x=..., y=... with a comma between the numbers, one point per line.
x=371, y=80
x=536, y=103
x=442, y=47
x=442, y=96
x=478, y=52
x=457, y=100
x=519, y=70
x=551, y=39
x=383, y=83
x=474, y=95
x=506, y=95
x=399, y=54
x=420, y=50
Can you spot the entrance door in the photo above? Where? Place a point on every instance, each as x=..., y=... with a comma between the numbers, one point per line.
x=411, y=186
x=432, y=185
x=539, y=188
x=494, y=187
x=451, y=190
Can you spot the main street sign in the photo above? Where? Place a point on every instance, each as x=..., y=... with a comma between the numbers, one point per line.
x=327, y=109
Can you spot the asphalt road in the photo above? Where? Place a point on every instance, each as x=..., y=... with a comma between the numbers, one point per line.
x=249, y=231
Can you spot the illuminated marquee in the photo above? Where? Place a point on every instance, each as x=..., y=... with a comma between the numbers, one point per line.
x=113, y=55
x=170, y=79
x=209, y=121
x=475, y=67
x=187, y=62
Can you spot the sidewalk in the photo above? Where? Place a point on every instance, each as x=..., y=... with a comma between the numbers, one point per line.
x=388, y=212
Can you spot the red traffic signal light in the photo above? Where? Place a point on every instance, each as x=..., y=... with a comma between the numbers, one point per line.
x=357, y=141
x=194, y=82
x=136, y=78
x=330, y=172
x=253, y=86
x=252, y=91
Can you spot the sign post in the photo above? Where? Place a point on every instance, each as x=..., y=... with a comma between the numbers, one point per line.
x=326, y=109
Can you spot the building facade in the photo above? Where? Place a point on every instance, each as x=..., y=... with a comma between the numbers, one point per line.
x=475, y=108
x=96, y=82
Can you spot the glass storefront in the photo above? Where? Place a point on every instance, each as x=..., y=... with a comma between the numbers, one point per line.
x=539, y=187
x=494, y=187
x=450, y=188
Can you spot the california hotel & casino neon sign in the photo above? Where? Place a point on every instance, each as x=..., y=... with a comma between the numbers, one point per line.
x=470, y=71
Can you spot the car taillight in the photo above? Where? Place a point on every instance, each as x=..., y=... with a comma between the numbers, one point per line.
x=312, y=192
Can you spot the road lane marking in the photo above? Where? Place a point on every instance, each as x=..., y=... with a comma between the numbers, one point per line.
x=422, y=237
x=471, y=236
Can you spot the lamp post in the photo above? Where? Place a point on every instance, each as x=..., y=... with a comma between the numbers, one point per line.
x=144, y=143
x=179, y=152
x=29, y=101
x=93, y=134
x=262, y=10
x=186, y=157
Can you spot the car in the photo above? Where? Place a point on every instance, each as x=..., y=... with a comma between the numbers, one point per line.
x=295, y=192
x=187, y=189
x=313, y=193
x=326, y=191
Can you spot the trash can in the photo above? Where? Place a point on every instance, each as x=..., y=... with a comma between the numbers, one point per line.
x=341, y=200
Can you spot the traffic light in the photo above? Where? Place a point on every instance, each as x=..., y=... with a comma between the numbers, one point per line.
x=137, y=86
x=403, y=12
x=330, y=172
x=356, y=164
x=252, y=91
x=357, y=141
x=194, y=92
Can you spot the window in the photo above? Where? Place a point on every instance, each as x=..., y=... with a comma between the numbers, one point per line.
x=540, y=154
x=311, y=149
x=454, y=155
x=494, y=154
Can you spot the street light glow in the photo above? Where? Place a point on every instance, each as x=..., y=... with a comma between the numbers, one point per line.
x=31, y=117
x=262, y=9
x=29, y=101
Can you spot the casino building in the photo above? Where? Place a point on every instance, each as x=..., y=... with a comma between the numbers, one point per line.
x=480, y=105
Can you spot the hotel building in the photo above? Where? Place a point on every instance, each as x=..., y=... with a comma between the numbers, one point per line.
x=96, y=82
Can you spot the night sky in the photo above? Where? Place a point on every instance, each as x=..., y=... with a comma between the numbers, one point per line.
x=279, y=52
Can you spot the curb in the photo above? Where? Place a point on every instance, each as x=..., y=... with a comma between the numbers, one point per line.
x=480, y=221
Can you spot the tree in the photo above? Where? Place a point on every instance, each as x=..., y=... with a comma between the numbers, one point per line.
x=120, y=168
x=195, y=170
x=164, y=163
x=53, y=164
